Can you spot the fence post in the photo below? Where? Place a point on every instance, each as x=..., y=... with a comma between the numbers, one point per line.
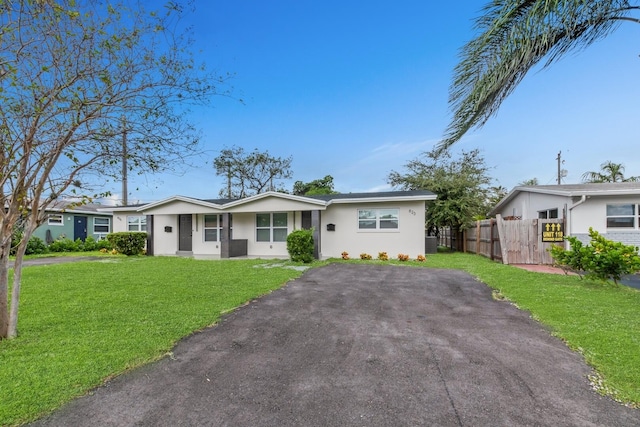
x=501, y=236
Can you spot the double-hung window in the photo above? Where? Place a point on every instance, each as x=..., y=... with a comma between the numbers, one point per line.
x=137, y=223
x=378, y=219
x=271, y=227
x=621, y=216
x=212, y=226
x=101, y=227
x=548, y=214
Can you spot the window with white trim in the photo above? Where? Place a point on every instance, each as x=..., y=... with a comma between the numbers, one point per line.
x=622, y=216
x=137, y=223
x=548, y=214
x=55, y=219
x=212, y=228
x=101, y=227
x=378, y=219
x=271, y=227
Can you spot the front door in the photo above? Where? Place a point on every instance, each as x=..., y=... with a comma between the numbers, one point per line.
x=80, y=228
x=185, y=233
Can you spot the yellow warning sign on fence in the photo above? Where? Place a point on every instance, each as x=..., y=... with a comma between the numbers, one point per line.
x=552, y=232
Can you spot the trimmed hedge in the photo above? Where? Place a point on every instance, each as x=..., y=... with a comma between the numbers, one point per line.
x=128, y=242
x=300, y=245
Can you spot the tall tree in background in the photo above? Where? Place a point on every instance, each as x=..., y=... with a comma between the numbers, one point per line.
x=532, y=181
x=315, y=187
x=462, y=186
x=609, y=172
x=514, y=36
x=70, y=72
x=251, y=173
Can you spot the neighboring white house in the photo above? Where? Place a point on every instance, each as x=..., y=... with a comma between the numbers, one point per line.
x=612, y=209
x=258, y=226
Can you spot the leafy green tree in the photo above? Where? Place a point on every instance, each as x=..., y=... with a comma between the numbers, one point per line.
x=609, y=172
x=251, y=173
x=532, y=181
x=315, y=187
x=462, y=186
x=513, y=37
x=75, y=76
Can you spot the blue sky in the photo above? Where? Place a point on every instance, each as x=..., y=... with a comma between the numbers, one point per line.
x=357, y=89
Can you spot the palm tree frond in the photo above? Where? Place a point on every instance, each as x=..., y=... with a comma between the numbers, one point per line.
x=514, y=36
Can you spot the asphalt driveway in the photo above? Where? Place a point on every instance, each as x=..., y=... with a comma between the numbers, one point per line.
x=361, y=345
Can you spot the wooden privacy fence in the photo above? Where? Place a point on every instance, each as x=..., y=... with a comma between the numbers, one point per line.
x=516, y=241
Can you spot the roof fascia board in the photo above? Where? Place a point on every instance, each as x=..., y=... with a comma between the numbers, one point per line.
x=276, y=195
x=383, y=199
x=177, y=199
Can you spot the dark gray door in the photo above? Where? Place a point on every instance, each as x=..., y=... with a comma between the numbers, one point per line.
x=306, y=220
x=185, y=233
x=80, y=228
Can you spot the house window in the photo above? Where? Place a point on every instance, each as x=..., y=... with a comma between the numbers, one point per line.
x=136, y=223
x=55, y=219
x=101, y=227
x=621, y=216
x=548, y=214
x=271, y=227
x=378, y=219
x=212, y=226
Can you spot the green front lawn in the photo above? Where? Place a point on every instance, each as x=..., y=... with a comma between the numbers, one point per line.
x=81, y=323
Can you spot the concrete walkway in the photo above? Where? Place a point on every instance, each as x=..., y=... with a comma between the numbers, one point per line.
x=361, y=345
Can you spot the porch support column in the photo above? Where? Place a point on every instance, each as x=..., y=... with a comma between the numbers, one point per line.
x=149, y=235
x=225, y=237
x=315, y=226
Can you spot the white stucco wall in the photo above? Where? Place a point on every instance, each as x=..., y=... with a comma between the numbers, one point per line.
x=165, y=243
x=593, y=213
x=527, y=205
x=408, y=239
x=120, y=220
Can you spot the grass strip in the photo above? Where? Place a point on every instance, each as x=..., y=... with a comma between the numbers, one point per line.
x=81, y=323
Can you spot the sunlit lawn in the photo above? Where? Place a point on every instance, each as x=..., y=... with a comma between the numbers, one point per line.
x=83, y=322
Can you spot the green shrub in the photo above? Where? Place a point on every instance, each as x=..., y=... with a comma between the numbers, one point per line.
x=128, y=242
x=36, y=246
x=89, y=244
x=300, y=245
x=602, y=259
x=63, y=244
x=103, y=244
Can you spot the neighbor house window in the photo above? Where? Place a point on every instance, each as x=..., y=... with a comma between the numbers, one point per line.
x=101, y=227
x=55, y=219
x=136, y=223
x=378, y=219
x=548, y=214
x=621, y=216
x=271, y=227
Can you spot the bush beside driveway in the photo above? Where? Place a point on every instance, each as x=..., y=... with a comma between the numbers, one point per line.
x=361, y=345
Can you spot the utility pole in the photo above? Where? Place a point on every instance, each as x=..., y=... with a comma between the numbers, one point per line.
x=125, y=191
x=559, y=169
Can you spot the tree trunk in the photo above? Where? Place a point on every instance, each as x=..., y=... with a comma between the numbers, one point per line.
x=15, y=293
x=4, y=294
x=30, y=227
